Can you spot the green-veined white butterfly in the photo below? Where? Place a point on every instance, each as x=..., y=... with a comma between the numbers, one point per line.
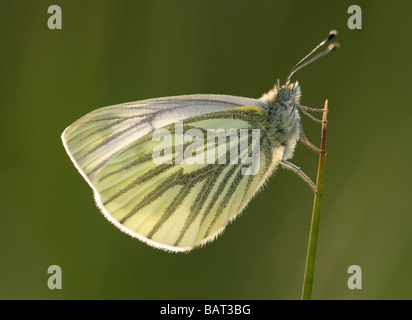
x=179, y=206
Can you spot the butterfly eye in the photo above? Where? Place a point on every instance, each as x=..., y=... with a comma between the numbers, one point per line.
x=284, y=94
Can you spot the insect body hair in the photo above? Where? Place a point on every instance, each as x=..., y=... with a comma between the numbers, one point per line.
x=283, y=116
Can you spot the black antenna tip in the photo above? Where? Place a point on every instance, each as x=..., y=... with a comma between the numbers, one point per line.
x=334, y=46
x=332, y=34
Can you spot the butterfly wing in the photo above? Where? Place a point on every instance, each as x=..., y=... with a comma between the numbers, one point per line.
x=93, y=139
x=171, y=206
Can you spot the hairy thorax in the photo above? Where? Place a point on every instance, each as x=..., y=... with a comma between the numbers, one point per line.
x=283, y=116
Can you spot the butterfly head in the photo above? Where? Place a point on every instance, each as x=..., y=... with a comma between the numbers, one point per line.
x=288, y=94
x=283, y=96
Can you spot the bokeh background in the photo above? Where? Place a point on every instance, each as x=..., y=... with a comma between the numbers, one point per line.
x=110, y=52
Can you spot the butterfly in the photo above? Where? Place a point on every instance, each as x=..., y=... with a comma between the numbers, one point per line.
x=173, y=172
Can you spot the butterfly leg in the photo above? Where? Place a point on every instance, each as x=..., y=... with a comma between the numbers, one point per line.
x=312, y=109
x=303, y=109
x=300, y=173
x=306, y=142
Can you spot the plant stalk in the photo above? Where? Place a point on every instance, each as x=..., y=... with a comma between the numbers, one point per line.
x=314, y=227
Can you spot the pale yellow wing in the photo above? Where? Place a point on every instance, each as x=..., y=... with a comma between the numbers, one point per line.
x=175, y=207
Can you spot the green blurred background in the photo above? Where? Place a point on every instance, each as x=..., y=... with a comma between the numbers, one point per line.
x=110, y=52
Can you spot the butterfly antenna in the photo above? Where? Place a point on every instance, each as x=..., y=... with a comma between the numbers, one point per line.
x=330, y=48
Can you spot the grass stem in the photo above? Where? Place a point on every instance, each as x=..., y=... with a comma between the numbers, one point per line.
x=314, y=227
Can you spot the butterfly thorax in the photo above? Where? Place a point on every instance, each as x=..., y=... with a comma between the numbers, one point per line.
x=283, y=116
